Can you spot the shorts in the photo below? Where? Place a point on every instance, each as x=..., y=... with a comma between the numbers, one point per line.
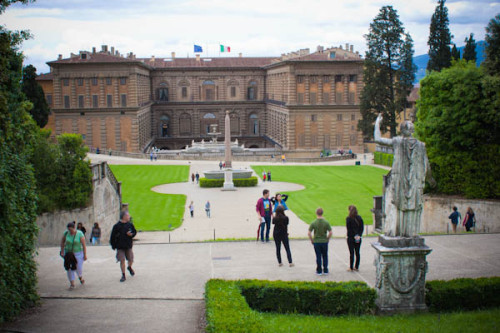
x=122, y=254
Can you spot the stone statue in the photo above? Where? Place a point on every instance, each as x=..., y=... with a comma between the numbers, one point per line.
x=410, y=169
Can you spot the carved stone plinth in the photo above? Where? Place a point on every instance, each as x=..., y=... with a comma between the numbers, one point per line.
x=401, y=268
x=228, y=181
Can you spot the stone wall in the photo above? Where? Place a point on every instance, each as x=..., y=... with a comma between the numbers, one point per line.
x=438, y=208
x=104, y=209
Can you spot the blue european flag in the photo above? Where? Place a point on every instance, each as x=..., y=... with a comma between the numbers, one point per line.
x=198, y=48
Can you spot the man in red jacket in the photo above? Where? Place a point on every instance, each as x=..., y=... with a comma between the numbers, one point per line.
x=264, y=210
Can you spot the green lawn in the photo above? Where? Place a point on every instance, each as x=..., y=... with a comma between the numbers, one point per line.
x=151, y=210
x=470, y=321
x=333, y=188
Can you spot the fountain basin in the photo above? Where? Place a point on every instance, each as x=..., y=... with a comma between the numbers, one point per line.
x=219, y=174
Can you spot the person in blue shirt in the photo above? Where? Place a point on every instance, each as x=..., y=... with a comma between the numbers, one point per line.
x=279, y=199
x=455, y=217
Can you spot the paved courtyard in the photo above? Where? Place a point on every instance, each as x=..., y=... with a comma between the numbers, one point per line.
x=166, y=294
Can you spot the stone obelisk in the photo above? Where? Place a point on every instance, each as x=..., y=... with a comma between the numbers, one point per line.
x=228, y=172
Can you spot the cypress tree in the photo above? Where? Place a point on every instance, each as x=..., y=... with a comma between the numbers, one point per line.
x=455, y=53
x=34, y=93
x=470, y=48
x=439, y=39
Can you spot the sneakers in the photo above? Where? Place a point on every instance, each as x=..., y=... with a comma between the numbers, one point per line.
x=280, y=264
x=123, y=278
x=319, y=273
x=292, y=264
x=326, y=273
x=131, y=271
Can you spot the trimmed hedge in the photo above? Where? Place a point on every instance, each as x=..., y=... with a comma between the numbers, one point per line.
x=383, y=158
x=329, y=298
x=226, y=309
x=462, y=294
x=243, y=182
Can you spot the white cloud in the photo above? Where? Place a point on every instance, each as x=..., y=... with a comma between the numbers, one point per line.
x=255, y=28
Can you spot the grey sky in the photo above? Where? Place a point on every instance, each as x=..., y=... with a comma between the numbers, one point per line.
x=255, y=28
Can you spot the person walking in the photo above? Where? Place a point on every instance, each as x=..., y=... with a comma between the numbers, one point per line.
x=191, y=209
x=268, y=176
x=207, y=208
x=264, y=176
x=197, y=176
x=155, y=155
x=320, y=227
x=220, y=165
x=469, y=219
x=74, y=252
x=95, y=234
x=280, y=235
x=355, y=227
x=151, y=156
x=192, y=177
x=264, y=210
x=279, y=200
x=455, y=217
x=81, y=228
x=121, y=241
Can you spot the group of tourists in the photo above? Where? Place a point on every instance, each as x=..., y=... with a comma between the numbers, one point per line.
x=74, y=248
x=195, y=176
x=207, y=208
x=468, y=222
x=273, y=210
x=266, y=176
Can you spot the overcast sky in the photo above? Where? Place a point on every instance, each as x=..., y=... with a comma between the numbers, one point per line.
x=254, y=28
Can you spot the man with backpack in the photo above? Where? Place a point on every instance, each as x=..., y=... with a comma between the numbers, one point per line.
x=121, y=240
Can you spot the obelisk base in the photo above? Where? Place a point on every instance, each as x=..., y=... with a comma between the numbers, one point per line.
x=401, y=268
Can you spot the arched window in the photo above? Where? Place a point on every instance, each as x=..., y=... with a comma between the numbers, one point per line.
x=252, y=91
x=207, y=120
x=164, y=126
x=254, y=124
x=162, y=92
x=185, y=124
x=209, y=116
x=209, y=90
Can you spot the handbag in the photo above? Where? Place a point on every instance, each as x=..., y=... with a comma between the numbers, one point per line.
x=70, y=259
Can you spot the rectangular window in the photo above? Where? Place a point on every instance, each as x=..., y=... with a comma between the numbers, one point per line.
x=312, y=98
x=300, y=98
x=123, y=81
x=314, y=140
x=339, y=97
x=352, y=97
x=233, y=92
x=65, y=82
x=48, y=97
x=79, y=82
x=95, y=101
x=300, y=78
x=66, y=101
x=313, y=79
x=109, y=101
x=209, y=94
x=108, y=81
x=339, y=117
x=80, y=101
x=302, y=140
x=184, y=92
x=354, y=139
x=353, y=117
x=353, y=78
x=94, y=81
x=314, y=117
x=124, y=100
x=338, y=78
x=326, y=98
x=338, y=138
x=326, y=78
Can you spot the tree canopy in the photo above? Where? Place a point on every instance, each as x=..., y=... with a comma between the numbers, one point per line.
x=34, y=93
x=470, y=49
x=455, y=53
x=439, y=39
x=459, y=122
x=492, y=61
x=389, y=72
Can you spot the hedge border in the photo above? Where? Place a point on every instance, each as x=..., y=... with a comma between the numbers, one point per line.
x=242, y=182
x=383, y=158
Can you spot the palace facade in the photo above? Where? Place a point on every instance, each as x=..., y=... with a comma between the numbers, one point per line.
x=298, y=102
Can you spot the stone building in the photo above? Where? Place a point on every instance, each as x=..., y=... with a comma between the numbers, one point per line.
x=300, y=102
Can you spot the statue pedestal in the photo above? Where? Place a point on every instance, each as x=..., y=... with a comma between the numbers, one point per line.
x=401, y=269
x=228, y=181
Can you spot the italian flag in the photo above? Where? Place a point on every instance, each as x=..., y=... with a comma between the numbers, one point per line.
x=225, y=48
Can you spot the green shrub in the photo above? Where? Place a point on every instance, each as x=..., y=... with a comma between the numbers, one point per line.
x=227, y=310
x=462, y=294
x=383, y=158
x=329, y=298
x=243, y=182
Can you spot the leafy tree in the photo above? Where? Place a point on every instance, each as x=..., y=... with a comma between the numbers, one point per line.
x=470, y=48
x=388, y=72
x=492, y=61
x=455, y=53
x=458, y=119
x=34, y=93
x=439, y=39
x=18, y=229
